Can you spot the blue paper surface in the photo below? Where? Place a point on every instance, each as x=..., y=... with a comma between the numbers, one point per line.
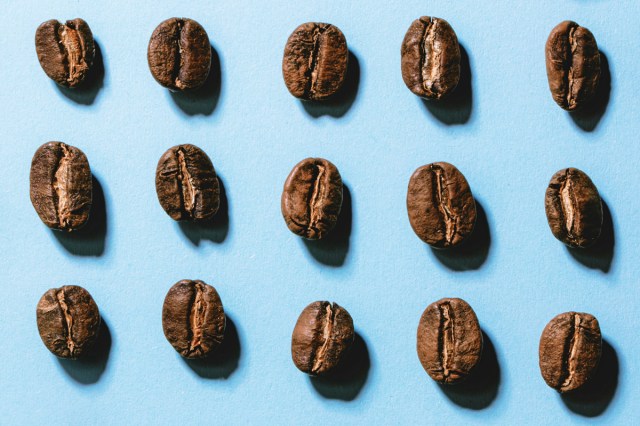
x=506, y=135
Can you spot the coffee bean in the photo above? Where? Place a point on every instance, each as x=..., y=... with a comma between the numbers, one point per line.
x=570, y=349
x=315, y=61
x=574, y=208
x=60, y=186
x=193, y=319
x=321, y=338
x=186, y=184
x=430, y=58
x=312, y=198
x=449, y=340
x=573, y=65
x=68, y=321
x=65, y=51
x=441, y=208
x=179, y=54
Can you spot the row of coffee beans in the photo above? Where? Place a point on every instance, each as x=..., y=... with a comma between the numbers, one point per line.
x=440, y=205
x=449, y=339
x=316, y=58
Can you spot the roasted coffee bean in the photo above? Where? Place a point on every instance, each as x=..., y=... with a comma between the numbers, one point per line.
x=193, y=319
x=570, y=349
x=441, y=208
x=60, y=186
x=65, y=51
x=573, y=65
x=449, y=340
x=321, y=338
x=68, y=321
x=574, y=208
x=430, y=58
x=186, y=184
x=179, y=54
x=315, y=61
x=312, y=198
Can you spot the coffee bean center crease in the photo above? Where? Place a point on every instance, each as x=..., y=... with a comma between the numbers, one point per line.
x=68, y=321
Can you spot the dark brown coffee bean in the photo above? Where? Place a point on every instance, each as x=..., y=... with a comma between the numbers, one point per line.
x=441, y=208
x=570, y=349
x=60, y=186
x=68, y=321
x=573, y=65
x=312, y=198
x=321, y=338
x=65, y=51
x=574, y=208
x=430, y=58
x=179, y=54
x=186, y=184
x=315, y=61
x=193, y=319
x=449, y=340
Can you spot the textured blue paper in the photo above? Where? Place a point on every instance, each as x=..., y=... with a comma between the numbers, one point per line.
x=508, y=137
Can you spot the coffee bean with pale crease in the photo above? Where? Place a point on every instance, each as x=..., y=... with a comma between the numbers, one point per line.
x=441, y=208
x=574, y=208
x=65, y=51
x=61, y=186
x=68, y=321
x=430, y=58
x=312, y=198
x=193, y=318
x=315, y=61
x=573, y=65
x=322, y=337
x=570, y=349
x=449, y=340
x=179, y=54
x=186, y=184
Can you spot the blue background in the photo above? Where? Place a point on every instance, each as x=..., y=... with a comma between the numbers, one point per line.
x=503, y=131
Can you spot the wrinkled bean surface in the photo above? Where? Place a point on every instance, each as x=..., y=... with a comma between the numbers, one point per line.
x=449, y=340
x=441, y=208
x=193, y=318
x=61, y=186
x=570, y=349
x=68, y=321
x=315, y=61
x=321, y=338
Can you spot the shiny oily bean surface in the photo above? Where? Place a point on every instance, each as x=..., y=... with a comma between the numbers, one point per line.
x=68, y=321
x=570, y=349
x=430, y=58
x=322, y=337
x=179, y=54
x=449, y=340
x=65, y=51
x=60, y=186
x=573, y=65
x=312, y=198
x=574, y=208
x=315, y=61
x=441, y=208
x=186, y=184
x=193, y=318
